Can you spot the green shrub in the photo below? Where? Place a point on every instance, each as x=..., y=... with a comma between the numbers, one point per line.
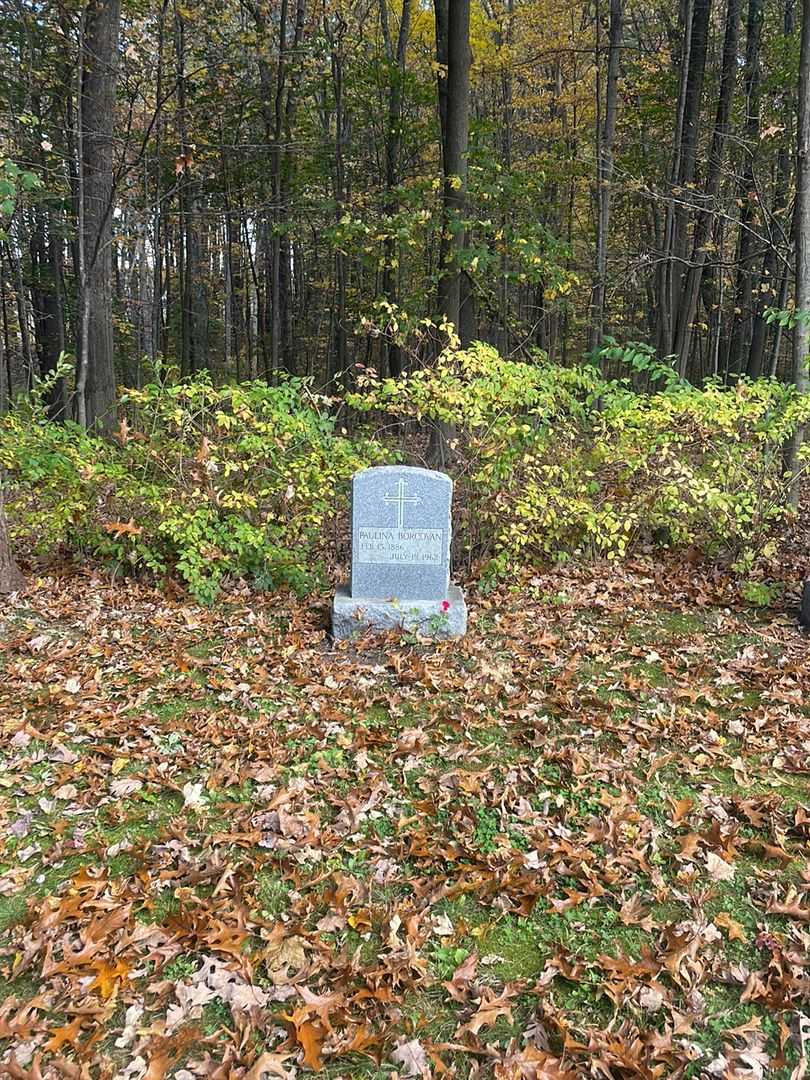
x=553, y=460
x=253, y=481
x=245, y=481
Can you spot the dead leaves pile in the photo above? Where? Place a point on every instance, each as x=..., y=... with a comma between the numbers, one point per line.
x=232, y=850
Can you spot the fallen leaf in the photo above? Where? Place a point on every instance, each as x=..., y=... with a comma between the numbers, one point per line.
x=310, y=1036
x=719, y=869
x=680, y=810
x=412, y=1058
x=270, y=1064
x=66, y=1034
x=791, y=907
x=459, y=986
x=442, y=926
x=193, y=797
x=123, y=528
x=66, y=792
x=127, y=786
x=491, y=1007
x=650, y=999
x=735, y=929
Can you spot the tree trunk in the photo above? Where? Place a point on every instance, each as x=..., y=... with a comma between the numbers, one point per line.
x=665, y=326
x=95, y=382
x=691, y=118
x=194, y=321
x=158, y=331
x=11, y=580
x=693, y=66
x=276, y=265
x=46, y=300
x=747, y=194
x=507, y=120
x=20, y=294
x=393, y=143
x=766, y=295
x=687, y=307
x=801, y=333
x=288, y=165
x=776, y=264
x=604, y=175
x=338, y=347
x=278, y=111
x=689, y=143
x=6, y=340
x=454, y=295
x=453, y=47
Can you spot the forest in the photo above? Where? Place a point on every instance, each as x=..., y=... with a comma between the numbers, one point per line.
x=254, y=187
x=490, y=238
x=404, y=550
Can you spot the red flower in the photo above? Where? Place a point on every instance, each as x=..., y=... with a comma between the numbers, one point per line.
x=445, y=605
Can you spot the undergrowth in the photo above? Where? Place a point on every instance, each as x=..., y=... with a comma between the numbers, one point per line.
x=251, y=481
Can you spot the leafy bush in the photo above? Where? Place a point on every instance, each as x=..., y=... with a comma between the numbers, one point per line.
x=557, y=460
x=252, y=480
x=241, y=480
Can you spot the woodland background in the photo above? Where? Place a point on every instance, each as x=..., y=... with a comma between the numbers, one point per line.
x=246, y=187
x=248, y=248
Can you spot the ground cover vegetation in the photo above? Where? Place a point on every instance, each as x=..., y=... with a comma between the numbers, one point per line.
x=252, y=481
x=574, y=843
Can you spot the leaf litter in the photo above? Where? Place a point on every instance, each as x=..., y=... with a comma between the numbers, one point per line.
x=574, y=843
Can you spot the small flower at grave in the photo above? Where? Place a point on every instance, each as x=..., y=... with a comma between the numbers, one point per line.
x=445, y=605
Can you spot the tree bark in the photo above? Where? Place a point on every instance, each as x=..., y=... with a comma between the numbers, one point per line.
x=158, y=331
x=693, y=67
x=288, y=165
x=20, y=295
x=604, y=174
x=338, y=346
x=776, y=262
x=276, y=267
x=747, y=195
x=455, y=303
x=687, y=307
x=453, y=45
x=11, y=580
x=665, y=326
x=766, y=295
x=96, y=375
x=194, y=321
x=801, y=333
x=46, y=300
x=393, y=144
x=691, y=120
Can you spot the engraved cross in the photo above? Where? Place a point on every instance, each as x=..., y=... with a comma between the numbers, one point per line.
x=399, y=501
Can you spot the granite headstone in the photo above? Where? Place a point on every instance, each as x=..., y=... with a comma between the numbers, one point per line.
x=401, y=530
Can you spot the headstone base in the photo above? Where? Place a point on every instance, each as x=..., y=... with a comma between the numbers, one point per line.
x=352, y=615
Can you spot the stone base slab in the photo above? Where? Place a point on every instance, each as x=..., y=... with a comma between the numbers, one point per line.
x=352, y=615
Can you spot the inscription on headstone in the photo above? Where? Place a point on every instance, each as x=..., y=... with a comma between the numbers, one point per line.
x=400, y=545
x=401, y=531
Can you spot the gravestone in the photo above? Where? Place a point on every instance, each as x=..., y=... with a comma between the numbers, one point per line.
x=400, y=575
